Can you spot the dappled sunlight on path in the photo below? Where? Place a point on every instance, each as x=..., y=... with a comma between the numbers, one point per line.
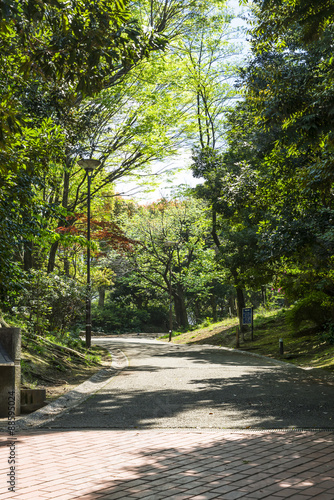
x=156, y=464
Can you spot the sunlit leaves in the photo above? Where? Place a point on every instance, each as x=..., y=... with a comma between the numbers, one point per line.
x=289, y=94
x=173, y=234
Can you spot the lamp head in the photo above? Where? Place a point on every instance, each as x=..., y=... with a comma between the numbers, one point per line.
x=89, y=164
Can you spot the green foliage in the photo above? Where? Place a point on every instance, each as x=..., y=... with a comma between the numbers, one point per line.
x=271, y=190
x=314, y=307
x=268, y=168
x=328, y=333
x=122, y=318
x=204, y=61
x=230, y=187
x=69, y=338
x=78, y=43
x=49, y=303
x=55, y=54
x=173, y=254
x=206, y=322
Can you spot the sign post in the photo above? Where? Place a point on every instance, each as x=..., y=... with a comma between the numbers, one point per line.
x=247, y=318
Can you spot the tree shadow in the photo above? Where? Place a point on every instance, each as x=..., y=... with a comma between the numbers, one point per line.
x=225, y=390
x=130, y=464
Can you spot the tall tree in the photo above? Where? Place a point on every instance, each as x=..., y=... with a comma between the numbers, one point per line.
x=173, y=254
x=283, y=132
x=211, y=66
x=55, y=56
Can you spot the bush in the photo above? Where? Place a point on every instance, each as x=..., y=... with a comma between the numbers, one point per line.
x=122, y=318
x=316, y=307
x=49, y=302
x=207, y=322
x=118, y=318
x=328, y=333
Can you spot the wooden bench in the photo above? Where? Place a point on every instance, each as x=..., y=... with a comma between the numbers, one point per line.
x=10, y=370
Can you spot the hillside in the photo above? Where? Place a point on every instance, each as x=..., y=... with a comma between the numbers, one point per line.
x=59, y=366
x=308, y=347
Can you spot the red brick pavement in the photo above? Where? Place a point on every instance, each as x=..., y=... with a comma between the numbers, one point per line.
x=116, y=464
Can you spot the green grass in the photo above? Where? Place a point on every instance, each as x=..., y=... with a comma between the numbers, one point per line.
x=306, y=347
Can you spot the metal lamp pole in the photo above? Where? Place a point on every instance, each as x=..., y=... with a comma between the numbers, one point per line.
x=170, y=245
x=170, y=297
x=89, y=166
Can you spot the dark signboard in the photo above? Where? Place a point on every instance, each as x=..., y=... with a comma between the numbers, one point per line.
x=247, y=314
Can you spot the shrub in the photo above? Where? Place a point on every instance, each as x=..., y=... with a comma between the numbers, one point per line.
x=49, y=302
x=328, y=333
x=207, y=322
x=316, y=307
x=120, y=318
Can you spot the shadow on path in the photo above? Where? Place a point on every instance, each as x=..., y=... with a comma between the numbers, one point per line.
x=205, y=388
x=164, y=464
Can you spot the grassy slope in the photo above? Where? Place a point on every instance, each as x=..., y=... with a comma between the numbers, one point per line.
x=58, y=372
x=305, y=348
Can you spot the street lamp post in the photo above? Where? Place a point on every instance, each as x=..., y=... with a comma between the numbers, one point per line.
x=170, y=245
x=170, y=299
x=88, y=165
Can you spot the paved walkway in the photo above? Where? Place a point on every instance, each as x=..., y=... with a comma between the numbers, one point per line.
x=203, y=387
x=155, y=464
x=63, y=461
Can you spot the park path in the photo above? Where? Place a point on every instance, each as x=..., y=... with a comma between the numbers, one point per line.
x=181, y=422
x=171, y=464
x=203, y=387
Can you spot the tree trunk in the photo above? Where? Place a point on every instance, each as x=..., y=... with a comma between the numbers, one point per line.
x=66, y=188
x=232, y=305
x=67, y=267
x=214, y=229
x=180, y=309
x=52, y=257
x=263, y=293
x=197, y=311
x=27, y=256
x=102, y=296
x=214, y=308
x=241, y=305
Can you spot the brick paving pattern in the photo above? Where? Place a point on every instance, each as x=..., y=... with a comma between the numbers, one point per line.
x=155, y=464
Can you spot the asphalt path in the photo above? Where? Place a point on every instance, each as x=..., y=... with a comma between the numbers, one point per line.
x=167, y=386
